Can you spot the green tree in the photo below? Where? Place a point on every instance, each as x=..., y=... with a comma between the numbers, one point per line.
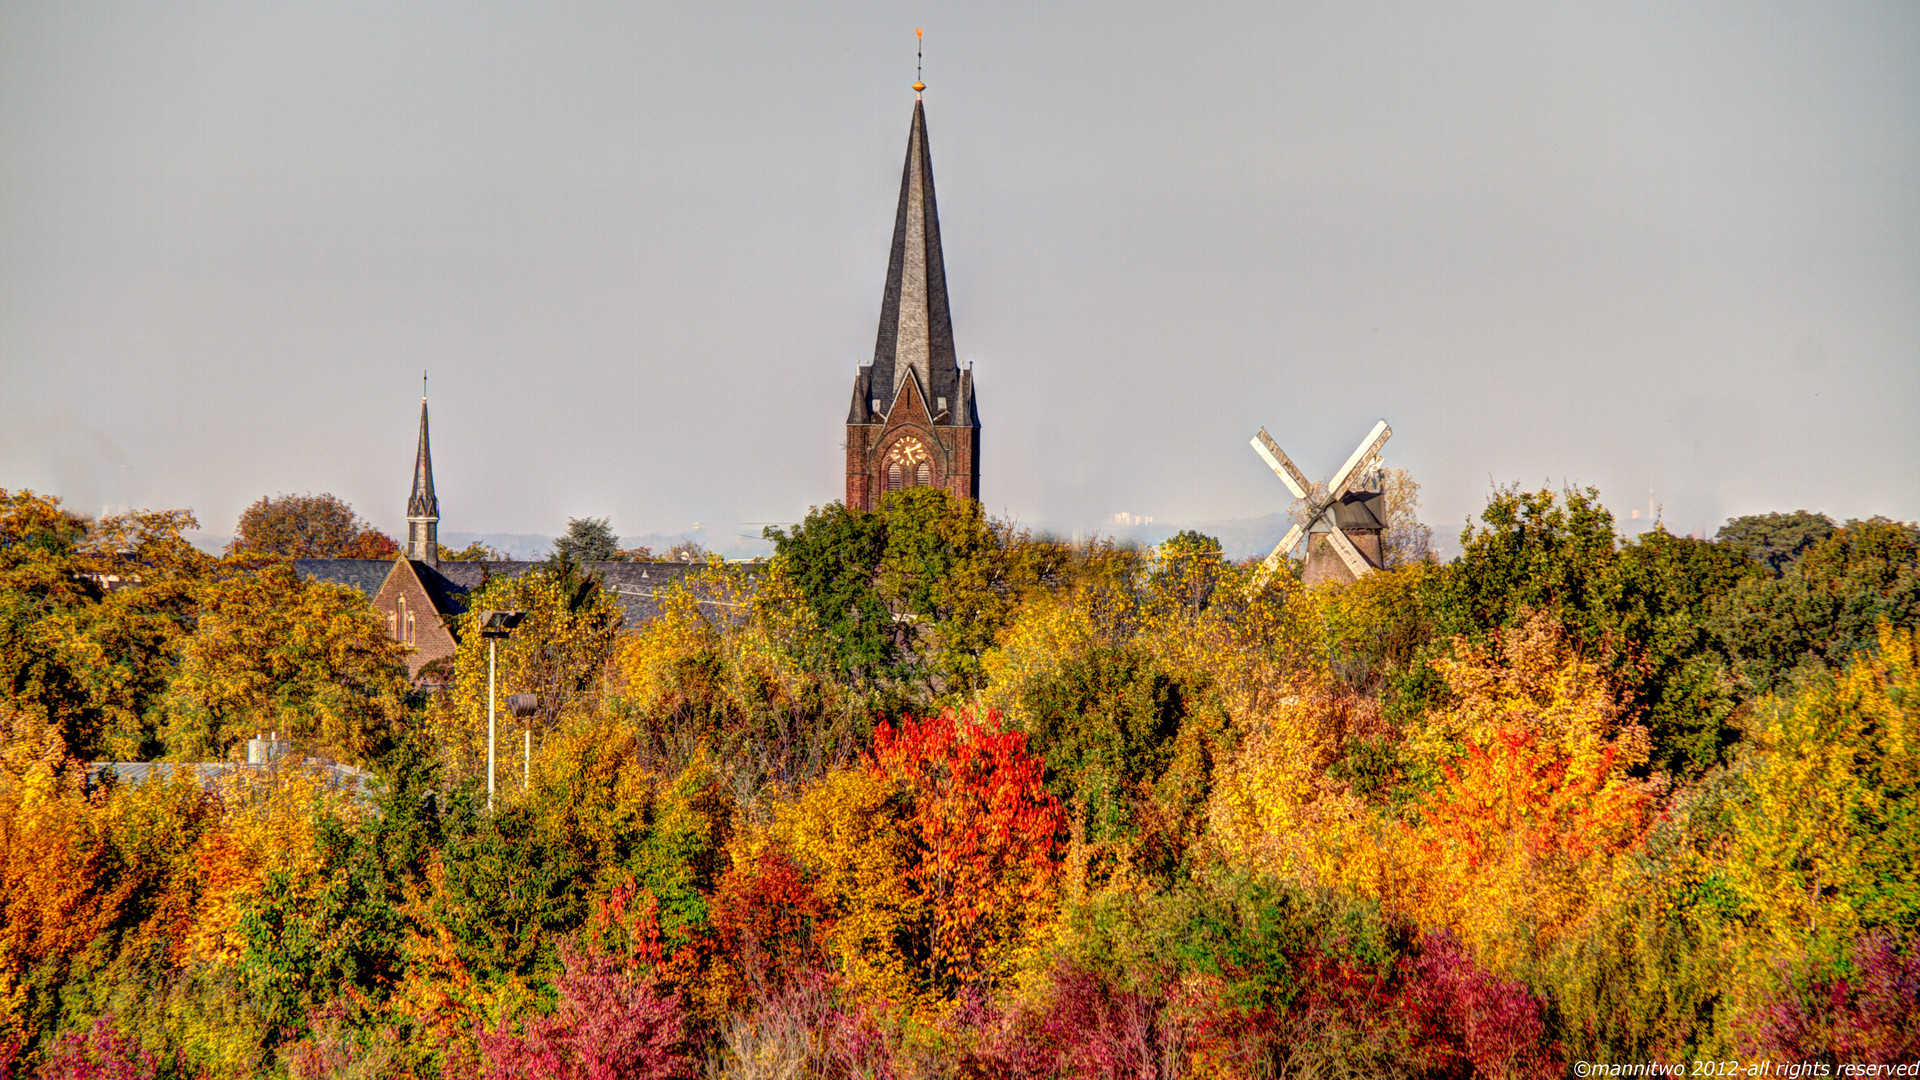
x=1775, y=539
x=913, y=593
x=1656, y=602
x=1105, y=723
x=832, y=559
x=1824, y=606
x=1534, y=552
x=951, y=579
x=588, y=540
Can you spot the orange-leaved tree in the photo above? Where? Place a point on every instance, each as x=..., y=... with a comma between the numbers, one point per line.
x=1518, y=842
x=1530, y=801
x=309, y=527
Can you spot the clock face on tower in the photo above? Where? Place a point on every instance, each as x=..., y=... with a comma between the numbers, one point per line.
x=908, y=465
x=907, y=452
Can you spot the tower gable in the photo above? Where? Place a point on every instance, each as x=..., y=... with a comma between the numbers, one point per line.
x=412, y=616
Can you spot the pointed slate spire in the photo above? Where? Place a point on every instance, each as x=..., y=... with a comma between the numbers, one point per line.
x=423, y=507
x=916, y=328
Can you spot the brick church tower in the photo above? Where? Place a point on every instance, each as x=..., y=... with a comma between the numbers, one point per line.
x=423, y=507
x=914, y=421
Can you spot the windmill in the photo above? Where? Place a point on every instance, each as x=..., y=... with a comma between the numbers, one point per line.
x=1354, y=512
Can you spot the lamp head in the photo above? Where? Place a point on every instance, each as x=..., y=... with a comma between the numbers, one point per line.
x=498, y=624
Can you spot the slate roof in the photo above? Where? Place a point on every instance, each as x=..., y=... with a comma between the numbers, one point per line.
x=916, y=325
x=635, y=585
x=366, y=575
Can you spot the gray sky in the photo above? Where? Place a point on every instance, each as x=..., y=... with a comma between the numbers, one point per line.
x=1642, y=246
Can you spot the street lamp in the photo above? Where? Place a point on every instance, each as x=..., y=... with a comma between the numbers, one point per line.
x=523, y=706
x=494, y=625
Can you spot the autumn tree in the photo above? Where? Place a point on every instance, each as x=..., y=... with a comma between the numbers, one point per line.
x=272, y=650
x=477, y=551
x=559, y=653
x=309, y=527
x=733, y=667
x=1532, y=799
x=1406, y=540
x=1826, y=842
x=89, y=616
x=1653, y=611
x=1185, y=569
x=937, y=859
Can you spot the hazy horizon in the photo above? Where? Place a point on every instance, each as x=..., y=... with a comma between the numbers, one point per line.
x=1669, y=252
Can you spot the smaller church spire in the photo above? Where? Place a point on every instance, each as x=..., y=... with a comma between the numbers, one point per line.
x=423, y=507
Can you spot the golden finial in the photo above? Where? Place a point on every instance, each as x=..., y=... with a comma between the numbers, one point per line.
x=919, y=33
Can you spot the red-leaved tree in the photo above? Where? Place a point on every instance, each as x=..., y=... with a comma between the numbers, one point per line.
x=612, y=1020
x=985, y=831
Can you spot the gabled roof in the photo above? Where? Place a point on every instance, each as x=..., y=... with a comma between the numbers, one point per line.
x=638, y=586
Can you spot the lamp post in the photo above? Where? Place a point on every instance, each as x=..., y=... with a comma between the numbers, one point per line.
x=523, y=706
x=494, y=625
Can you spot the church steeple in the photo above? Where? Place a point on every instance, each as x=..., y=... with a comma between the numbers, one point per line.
x=916, y=328
x=913, y=420
x=423, y=508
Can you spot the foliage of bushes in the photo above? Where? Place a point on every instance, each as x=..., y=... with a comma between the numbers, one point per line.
x=927, y=796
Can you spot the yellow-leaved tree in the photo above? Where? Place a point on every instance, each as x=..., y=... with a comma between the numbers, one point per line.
x=730, y=668
x=559, y=653
x=272, y=650
x=1825, y=837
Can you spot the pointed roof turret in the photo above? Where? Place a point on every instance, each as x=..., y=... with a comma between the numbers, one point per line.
x=422, y=503
x=916, y=328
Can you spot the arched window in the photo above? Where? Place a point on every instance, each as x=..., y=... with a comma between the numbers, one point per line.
x=893, y=477
x=924, y=475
